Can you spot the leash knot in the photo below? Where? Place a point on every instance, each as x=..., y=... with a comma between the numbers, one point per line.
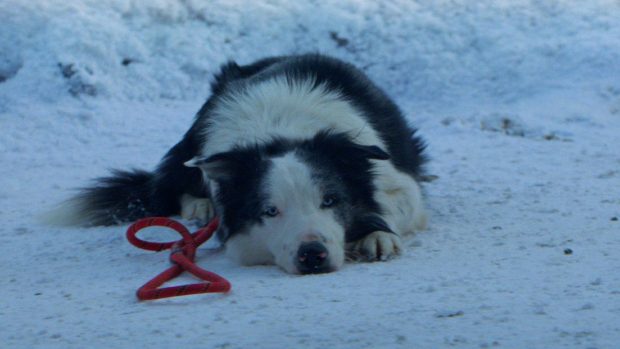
x=180, y=248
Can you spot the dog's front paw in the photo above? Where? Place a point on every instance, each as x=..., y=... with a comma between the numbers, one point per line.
x=193, y=208
x=379, y=245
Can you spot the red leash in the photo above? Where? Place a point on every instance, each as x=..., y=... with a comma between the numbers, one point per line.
x=182, y=257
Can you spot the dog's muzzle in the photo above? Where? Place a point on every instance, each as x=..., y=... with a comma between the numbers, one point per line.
x=312, y=258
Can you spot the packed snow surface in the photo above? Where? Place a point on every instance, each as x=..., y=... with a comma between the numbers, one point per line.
x=519, y=102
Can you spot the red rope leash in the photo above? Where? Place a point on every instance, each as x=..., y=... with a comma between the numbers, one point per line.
x=182, y=257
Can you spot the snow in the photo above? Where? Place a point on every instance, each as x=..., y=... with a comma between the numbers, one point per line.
x=520, y=104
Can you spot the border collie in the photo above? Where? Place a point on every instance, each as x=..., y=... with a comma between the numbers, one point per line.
x=303, y=158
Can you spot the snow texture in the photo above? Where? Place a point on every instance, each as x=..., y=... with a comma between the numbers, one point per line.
x=519, y=102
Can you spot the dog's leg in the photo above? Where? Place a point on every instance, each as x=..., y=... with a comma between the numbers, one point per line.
x=379, y=245
x=196, y=208
x=401, y=201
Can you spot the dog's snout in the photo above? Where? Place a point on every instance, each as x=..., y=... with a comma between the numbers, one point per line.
x=312, y=258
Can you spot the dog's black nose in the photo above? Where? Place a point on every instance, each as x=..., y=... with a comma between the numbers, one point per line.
x=312, y=258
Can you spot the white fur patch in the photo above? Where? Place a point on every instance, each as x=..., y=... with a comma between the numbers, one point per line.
x=69, y=213
x=400, y=197
x=75, y=211
x=283, y=108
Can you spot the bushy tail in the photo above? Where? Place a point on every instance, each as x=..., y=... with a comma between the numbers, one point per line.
x=122, y=197
x=129, y=195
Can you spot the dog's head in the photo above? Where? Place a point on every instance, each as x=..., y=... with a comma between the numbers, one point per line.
x=295, y=203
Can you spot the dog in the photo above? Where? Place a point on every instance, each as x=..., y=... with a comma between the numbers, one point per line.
x=305, y=161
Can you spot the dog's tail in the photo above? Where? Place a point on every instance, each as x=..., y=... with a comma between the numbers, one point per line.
x=125, y=196
x=122, y=197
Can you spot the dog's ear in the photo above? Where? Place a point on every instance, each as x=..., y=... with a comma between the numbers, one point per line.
x=341, y=146
x=218, y=167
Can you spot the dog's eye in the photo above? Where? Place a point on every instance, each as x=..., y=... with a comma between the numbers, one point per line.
x=271, y=211
x=329, y=201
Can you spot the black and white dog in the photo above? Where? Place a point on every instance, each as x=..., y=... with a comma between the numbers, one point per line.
x=303, y=159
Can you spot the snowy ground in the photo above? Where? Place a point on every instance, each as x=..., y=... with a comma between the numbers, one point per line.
x=519, y=102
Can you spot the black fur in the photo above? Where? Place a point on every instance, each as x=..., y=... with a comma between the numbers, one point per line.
x=239, y=174
x=122, y=197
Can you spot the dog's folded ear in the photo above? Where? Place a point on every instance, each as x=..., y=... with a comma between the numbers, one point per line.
x=218, y=167
x=341, y=145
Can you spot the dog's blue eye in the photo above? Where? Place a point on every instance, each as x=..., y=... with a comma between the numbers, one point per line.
x=329, y=201
x=271, y=211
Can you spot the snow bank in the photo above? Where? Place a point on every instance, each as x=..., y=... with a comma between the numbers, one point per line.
x=422, y=50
